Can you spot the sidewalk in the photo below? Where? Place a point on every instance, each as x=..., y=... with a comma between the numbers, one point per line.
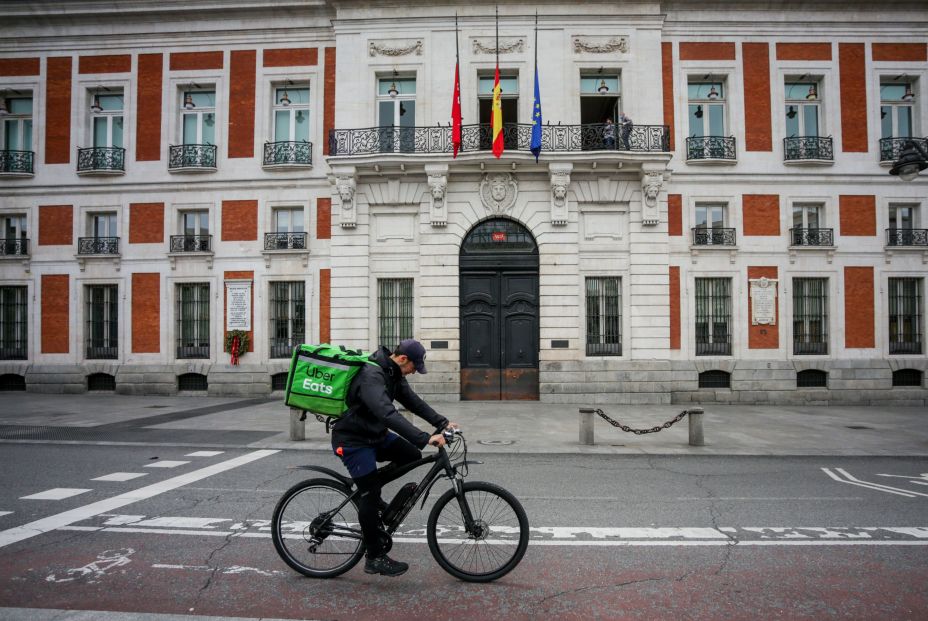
x=508, y=426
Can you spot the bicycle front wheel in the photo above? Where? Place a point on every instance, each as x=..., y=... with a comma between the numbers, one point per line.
x=312, y=534
x=494, y=544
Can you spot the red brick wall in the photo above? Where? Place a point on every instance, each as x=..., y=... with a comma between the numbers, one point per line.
x=58, y=111
x=853, y=97
x=146, y=313
x=225, y=305
x=762, y=336
x=905, y=52
x=675, y=214
x=758, y=136
x=325, y=305
x=294, y=57
x=19, y=66
x=242, y=103
x=55, y=314
x=674, y=307
x=667, y=77
x=707, y=51
x=56, y=225
x=323, y=218
x=148, y=106
x=239, y=220
x=184, y=61
x=803, y=51
x=146, y=223
x=760, y=214
x=328, y=113
x=857, y=215
x=117, y=63
x=858, y=307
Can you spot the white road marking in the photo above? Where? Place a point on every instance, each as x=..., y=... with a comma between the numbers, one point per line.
x=120, y=476
x=2, y=513
x=234, y=569
x=886, y=488
x=204, y=454
x=167, y=464
x=58, y=493
x=107, y=560
x=860, y=484
x=53, y=522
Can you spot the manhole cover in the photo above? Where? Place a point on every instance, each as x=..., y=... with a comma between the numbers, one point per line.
x=496, y=442
x=858, y=427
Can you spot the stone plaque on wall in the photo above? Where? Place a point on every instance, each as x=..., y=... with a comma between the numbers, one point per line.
x=238, y=306
x=763, y=301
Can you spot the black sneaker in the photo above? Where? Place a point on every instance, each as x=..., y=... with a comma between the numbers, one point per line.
x=385, y=566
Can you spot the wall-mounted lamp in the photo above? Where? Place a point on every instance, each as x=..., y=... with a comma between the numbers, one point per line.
x=713, y=94
x=813, y=93
x=284, y=99
x=188, y=102
x=392, y=91
x=95, y=107
x=909, y=95
x=603, y=89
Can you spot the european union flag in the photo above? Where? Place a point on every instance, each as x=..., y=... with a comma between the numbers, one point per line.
x=536, y=120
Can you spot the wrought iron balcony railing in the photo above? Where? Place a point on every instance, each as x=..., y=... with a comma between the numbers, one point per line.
x=101, y=160
x=891, y=148
x=200, y=157
x=192, y=350
x=907, y=237
x=805, y=148
x=191, y=243
x=810, y=347
x=17, y=162
x=102, y=352
x=912, y=346
x=812, y=237
x=13, y=349
x=713, y=237
x=516, y=137
x=285, y=241
x=97, y=245
x=711, y=148
x=288, y=153
x=719, y=346
x=14, y=247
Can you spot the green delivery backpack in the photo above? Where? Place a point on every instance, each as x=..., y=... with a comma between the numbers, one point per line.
x=319, y=379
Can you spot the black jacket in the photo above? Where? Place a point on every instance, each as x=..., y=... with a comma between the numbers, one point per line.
x=371, y=411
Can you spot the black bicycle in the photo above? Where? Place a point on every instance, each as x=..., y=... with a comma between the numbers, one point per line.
x=477, y=531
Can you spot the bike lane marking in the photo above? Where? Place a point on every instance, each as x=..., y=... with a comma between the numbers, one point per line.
x=57, y=493
x=44, y=525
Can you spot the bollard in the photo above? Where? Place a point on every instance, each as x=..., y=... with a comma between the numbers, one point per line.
x=586, y=425
x=297, y=426
x=695, y=421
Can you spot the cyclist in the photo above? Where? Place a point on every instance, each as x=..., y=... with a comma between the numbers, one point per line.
x=372, y=431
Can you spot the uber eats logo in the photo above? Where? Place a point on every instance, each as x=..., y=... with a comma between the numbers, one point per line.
x=315, y=379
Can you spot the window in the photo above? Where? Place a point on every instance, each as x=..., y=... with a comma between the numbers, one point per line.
x=193, y=320
x=102, y=225
x=713, y=316
x=509, y=103
x=291, y=114
x=396, y=108
x=279, y=381
x=102, y=236
x=802, y=109
x=106, y=119
x=192, y=382
x=102, y=338
x=810, y=316
x=198, y=118
x=288, y=230
x=17, y=124
x=809, y=226
x=903, y=223
x=807, y=216
x=101, y=382
x=897, y=100
x=902, y=217
x=288, y=317
x=14, y=323
x=812, y=378
x=194, y=237
x=600, y=99
x=14, y=238
x=715, y=379
x=710, y=225
x=394, y=303
x=706, y=108
x=604, y=316
x=905, y=315
x=907, y=377
x=12, y=382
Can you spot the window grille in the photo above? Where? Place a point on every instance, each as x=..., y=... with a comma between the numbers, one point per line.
x=279, y=381
x=14, y=323
x=812, y=378
x=101, y=381
x=394, y=301
x=905, y=316
x=907, y=377
x=715, y=379
x=810, y=316
x=713, y=316
x=192, y=381
x=604, y=316
x=10, y=382
x=288, y=317
x=102, y=322
x=193, y=320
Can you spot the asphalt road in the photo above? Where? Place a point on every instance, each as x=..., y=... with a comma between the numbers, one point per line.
x=613, y=537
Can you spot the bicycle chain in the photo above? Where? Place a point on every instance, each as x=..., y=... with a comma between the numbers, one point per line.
x=639, y=432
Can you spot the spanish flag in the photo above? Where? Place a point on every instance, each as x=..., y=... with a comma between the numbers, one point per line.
x=497, y=116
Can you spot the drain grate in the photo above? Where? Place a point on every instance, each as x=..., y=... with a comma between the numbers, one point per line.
x=496, y=442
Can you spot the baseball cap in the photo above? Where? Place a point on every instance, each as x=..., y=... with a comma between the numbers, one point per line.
x=415, y=351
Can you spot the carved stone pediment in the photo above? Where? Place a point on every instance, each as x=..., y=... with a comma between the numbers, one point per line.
x=498, y=192
x=402, y=47
x=600, y=45
x=487, y=45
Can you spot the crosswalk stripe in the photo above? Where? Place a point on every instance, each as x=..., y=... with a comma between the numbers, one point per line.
x=57, y=493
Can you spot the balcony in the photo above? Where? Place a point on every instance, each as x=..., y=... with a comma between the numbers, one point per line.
x=808, y=150
x=713, y=237
x=14, y=247
x=907, y=237
x=891, y=148
x=812, y=237
x=192, y=158
x=101, y=161
x=16, y=163
x=191, y=243
x=711, y=149
x=910, y=345
x=98, y=245
x=279, y=155
x=478, y=138
x=285, y=241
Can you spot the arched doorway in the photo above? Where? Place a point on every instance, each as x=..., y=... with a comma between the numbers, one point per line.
x=499, y=312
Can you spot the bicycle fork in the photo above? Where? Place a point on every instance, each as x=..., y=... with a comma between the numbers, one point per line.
x=477, y=529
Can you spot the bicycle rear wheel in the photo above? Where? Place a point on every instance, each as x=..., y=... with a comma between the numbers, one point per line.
x=495, y=544
x=312, y=539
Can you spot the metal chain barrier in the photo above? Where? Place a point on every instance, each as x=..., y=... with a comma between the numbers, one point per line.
x=638, y=432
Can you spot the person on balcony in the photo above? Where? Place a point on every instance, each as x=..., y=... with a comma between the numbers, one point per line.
x=626, y=125
x=609, y=134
